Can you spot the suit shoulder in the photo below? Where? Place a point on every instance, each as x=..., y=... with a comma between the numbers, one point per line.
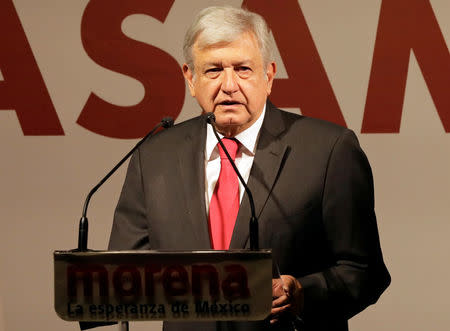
x=309, y=125
x=172, y=137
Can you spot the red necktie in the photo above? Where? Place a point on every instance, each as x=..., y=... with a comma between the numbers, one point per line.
x=224, y=205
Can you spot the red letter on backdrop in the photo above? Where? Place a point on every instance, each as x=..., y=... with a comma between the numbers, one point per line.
x=159, y=72
x=23, y=88
x=308, y=86
x=406, y=25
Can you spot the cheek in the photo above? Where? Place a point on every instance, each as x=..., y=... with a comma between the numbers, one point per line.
x=255, y=87
x=206, y=92
x=256, y=95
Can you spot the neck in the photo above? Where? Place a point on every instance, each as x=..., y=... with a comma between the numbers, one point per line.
x=229, y=132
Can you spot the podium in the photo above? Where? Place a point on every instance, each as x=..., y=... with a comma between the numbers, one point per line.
x=106, y=286
x=209, y=285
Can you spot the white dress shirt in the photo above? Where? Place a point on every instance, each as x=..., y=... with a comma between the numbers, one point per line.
x=244, y=157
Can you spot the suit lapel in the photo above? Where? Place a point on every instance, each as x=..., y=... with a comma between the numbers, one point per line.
x=191, y=168
x=266, y=166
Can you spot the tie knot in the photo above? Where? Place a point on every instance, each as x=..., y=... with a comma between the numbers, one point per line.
x=231, y=145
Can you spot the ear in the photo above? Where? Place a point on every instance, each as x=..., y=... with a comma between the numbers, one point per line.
x=189, y=76
x=270, y=74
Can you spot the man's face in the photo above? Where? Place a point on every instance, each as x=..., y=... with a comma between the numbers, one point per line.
x=230, y=80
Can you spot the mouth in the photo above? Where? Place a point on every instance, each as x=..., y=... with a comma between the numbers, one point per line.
x=229, y=103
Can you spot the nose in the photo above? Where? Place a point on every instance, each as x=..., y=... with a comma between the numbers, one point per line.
x=229, y=82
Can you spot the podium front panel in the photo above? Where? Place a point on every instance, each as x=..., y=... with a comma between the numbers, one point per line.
x=163, y=285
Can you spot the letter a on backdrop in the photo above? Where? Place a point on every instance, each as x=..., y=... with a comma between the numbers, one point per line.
x=308, y=86
x=23, y=89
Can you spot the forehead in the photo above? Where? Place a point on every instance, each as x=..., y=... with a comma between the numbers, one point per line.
x=244, y=48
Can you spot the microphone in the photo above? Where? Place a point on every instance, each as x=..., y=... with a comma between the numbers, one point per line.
x=166, y=122
x=253, y=225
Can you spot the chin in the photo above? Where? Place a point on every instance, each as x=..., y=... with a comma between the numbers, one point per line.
x=228, y=124
x=230, y=118
x=230, y=128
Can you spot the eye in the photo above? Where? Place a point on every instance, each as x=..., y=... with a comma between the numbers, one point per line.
x=213, y=72
x=213, y=69
x=243, y=71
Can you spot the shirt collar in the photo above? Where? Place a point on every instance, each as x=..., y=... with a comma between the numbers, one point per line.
x=247, y=138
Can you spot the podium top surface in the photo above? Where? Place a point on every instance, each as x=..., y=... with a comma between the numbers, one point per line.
x=236, y=253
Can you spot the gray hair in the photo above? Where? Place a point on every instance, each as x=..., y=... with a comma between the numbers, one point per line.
x=220, y=24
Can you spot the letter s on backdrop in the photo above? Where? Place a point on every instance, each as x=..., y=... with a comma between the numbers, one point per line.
x=158, y=71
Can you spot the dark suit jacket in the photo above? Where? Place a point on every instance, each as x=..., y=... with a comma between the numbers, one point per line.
x=313, y=192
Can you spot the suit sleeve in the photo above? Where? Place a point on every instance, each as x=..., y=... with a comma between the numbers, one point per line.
x=130, y=226
x=359, y=275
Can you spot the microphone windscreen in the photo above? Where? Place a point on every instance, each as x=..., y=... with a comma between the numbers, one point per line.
x=167, y=122
x=210, y=118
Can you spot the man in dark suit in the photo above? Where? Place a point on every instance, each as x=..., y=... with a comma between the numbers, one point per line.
x=311, y=182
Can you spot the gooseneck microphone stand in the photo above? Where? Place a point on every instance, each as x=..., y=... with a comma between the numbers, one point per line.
x=296, y=322
x=253, y=224
x=166, y=122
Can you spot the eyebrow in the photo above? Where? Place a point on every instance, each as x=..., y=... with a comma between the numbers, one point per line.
x=236, y=64
x=213, y=64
